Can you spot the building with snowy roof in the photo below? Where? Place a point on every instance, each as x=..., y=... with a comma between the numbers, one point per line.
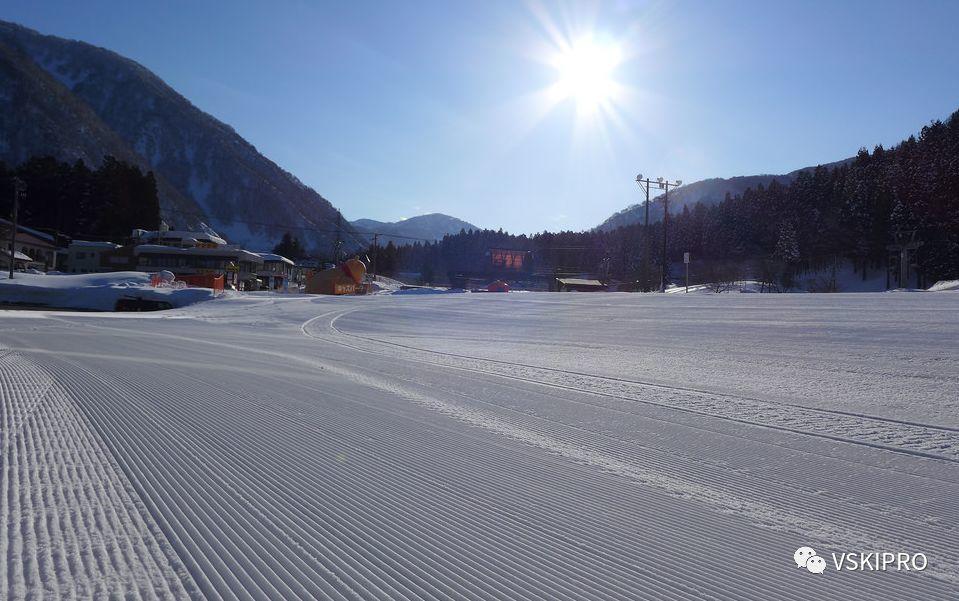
x=180, y=238
x=20, y=260
x=39, y=248
x=579, y=285
x=239, y=266
x=276, y=271
x=84, y=256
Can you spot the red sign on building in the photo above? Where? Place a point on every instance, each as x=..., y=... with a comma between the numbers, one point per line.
x=509, y=260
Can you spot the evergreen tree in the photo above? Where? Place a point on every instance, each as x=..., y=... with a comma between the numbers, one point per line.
x=290, y=247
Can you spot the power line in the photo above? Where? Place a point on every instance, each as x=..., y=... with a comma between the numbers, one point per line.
x=204, y=218
x=306, y=228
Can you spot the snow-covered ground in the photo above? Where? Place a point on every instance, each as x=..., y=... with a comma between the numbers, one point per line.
x=482, y=446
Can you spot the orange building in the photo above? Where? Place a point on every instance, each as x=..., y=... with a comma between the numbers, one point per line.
x=346, y=278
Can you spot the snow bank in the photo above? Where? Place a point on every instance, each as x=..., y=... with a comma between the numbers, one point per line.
x=740, y=286
x=945, y=285
x=844, y=278
x=91, y=291
x=427, y=290
x=384, y=284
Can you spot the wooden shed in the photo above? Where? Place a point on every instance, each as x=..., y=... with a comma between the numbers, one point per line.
x=579, y=285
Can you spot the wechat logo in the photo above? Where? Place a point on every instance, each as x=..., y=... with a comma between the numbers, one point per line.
x=805, y=557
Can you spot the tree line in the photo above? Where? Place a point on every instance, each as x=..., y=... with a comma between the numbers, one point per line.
x=851, y=212
x=75, y=201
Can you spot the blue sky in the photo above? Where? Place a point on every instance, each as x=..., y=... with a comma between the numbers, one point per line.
x=393, y=109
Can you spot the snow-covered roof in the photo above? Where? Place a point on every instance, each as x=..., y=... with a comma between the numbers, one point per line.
x=275, y=258
x=18, y=256
x=93, y=244
x=579, y=282
x=233, y=253
x=31, y=231
x=180, y=235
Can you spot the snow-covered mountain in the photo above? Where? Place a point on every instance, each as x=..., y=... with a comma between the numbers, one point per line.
x=73, y=100
x=707, y=191
x=428, y=227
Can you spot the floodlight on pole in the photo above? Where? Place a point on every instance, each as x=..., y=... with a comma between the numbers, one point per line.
x=663, y=184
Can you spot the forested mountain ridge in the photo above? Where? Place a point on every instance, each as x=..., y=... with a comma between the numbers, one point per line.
x=39, y=117
x=107, y=104
x=707, y=191
x=850, y=211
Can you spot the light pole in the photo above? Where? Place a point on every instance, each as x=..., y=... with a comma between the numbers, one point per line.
x=376, y=251
x=644, y=184
x=18, y=188
x=662, y=184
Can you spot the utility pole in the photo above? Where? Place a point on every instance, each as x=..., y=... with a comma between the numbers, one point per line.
x=644, y=184
x=376, y=251
x=662, y=265
x=662, y=184
x=18, y=188
x=338, y=242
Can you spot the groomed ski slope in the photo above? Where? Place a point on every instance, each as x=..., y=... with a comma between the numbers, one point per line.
x=481, y=446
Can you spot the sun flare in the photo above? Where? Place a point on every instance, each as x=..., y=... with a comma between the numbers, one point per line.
x=586, y=70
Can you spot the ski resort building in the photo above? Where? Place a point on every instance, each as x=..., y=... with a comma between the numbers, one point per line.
x=191, y=254
x=84, y=256
x=34, y=248
x=240, y=266
x=276, y=272
x=509, y=265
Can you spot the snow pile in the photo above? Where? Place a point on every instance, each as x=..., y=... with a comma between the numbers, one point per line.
x=844, y=278
x=91, y=291
x=740, y=286
x=385, y=285
x=420, y=290
x=945, y=285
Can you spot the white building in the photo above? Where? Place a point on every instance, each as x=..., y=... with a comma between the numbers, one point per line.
x=83, y=256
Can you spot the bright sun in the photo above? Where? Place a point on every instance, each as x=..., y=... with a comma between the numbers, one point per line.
x=586, y=69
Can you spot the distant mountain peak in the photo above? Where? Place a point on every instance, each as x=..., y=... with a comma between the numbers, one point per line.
x=432, y=226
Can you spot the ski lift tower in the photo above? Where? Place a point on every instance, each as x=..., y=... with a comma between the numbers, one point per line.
x=903, y=253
